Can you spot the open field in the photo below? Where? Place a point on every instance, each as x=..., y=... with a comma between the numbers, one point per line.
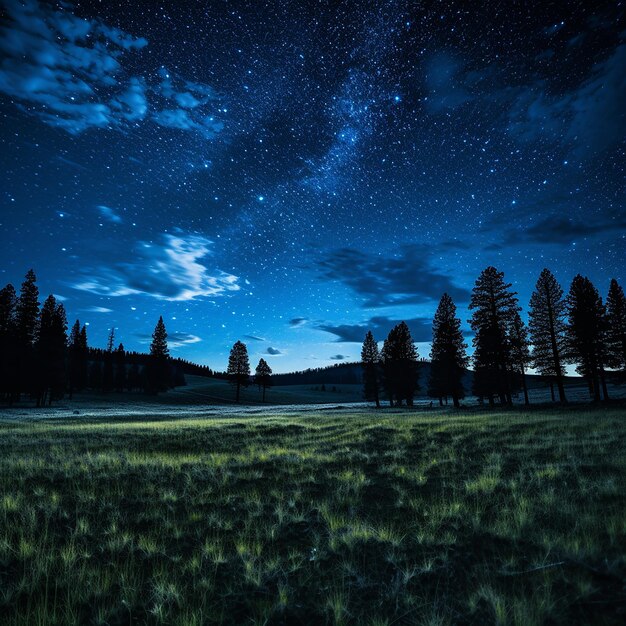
x=338, y=517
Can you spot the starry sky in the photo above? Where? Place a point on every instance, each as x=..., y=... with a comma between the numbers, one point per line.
x=292, y=174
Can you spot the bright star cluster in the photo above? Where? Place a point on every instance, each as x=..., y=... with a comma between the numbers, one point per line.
x=293, y=173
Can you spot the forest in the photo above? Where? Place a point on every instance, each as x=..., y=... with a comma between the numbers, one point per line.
x=40, y=361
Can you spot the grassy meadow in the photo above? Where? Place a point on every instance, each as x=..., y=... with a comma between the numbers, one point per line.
x=334, y=517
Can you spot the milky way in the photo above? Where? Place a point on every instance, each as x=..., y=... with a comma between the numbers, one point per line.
x=293, y=173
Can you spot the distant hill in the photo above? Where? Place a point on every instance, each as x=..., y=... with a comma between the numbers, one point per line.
x=352, y=374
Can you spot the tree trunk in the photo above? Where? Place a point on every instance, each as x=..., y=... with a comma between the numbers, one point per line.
x=605, y=391
x=525, y=387
x=455, y=400
x=552, y=392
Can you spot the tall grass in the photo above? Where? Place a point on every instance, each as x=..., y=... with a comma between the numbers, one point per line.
x=365, y=518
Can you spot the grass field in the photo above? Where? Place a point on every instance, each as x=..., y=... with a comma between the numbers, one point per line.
x=345, y=517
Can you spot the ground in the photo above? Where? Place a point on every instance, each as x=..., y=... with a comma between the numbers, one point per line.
x=338, y=516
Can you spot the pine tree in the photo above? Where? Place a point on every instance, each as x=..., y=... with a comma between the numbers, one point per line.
x=158, y=368
x=494, y=307
x=520, y=352
x=262, y=376
x=616, y=328
x=108, y=374
x=548, y=329
x=158, y=347
x=587, y=333
x=400, y=365
x=111, y=340
x=8, y=343
x=370, y=362
x=28, y=310
x=239, y=367
x=120, y=368
x=448, y=356
x=51, y=345
x=74, y=354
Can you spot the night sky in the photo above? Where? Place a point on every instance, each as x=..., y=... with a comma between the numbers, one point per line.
x=292, y=174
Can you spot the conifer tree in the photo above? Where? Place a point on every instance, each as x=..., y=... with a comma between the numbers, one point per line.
x=239, y=367
x=616, y=328
x=448, y=356
x=120, y=368
x=520, y=352
x=494, y=307
x=108, y=374
x=400, y=365
x=370, y=362
x=74, y=358
x=547, y=326
x=158, y=347
x=8, y=344
x=587, y=333
x=51, y=345
x=262, y=376
x=28, y=310
x=158, y=369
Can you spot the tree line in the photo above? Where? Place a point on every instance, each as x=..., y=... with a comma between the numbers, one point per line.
x=578, y=329
x=40, y=361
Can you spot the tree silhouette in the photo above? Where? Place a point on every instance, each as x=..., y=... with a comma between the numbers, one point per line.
x=28, y=310
x=494, y=307
x=587, y=333
x=238, y=367
x=51, y=346
x=616, y=328
x=448, y=356
x=400, y=365
x=520, y=352
x=262, y=376
x=370, y=361
x=158, y=370
x=119, y=357
x=9, y=364
x=548, y=329
x=27, y=319
x=108, y=375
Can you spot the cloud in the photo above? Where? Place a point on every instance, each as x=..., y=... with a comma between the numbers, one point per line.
x=174, y=340
x=172, y=270
x=70, y=72
x=589, y=119
x=296, y=322
x=109, y=214
x=273, y=351
x=98, y=309
x=253, y=338
x=444, y=81
x=406, y=278
x=562, y=230
x=338, y=357
x=420, y=327
x=177, y=340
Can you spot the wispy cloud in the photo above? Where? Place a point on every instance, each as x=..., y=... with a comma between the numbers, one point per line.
x=406, y=278
x=589, y=118
x=109, y=214
x=70, y=72
x=296, y=322
x=98, y=309
x=273, y=351
x=253, y=338
x=174, y=340
x=420, y=327
x=171, y=270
